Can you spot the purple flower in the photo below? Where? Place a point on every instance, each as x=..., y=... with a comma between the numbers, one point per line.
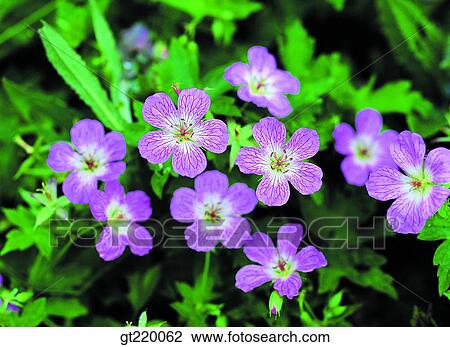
x=121, y=211
x=418, y=193
x=262, y=83
x=280, y=163
x=279, y=264
x=137, y=39
x=9, y=306
x=215, y=210
x=98, y=156
x=367, y=149
x=182, y=133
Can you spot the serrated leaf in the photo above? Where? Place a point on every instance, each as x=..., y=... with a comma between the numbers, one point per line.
x=33, y=313
x=442, y=259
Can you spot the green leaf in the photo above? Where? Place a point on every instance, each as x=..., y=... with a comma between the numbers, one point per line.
x=72, y=21
x=337, y=4
x=142, y=319
x=33, y=313
x=442, y=259
x=158, y=181
x=66, y=308
x=224, y=106
x=16, y=240
x=79, y=77
x=239, y=137
x=438, y=226
x=141, y=286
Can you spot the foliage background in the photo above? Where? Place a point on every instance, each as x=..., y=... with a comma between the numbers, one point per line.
x=63, y=60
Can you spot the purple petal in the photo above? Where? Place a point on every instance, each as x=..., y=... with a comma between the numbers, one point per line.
x=156, y=146
x=384, y=156
x=1, y=280
x=438, y=163
x=273, y=190
x=188, y=160
x=159, y=111
x=288, y=287
x=87, y=133
x=211, y=181
x=78, y=187
x=237, y=74
x=115, y=146
x=236, y=232
x=303, y=144
x=261, y=60
x=182, y=205
x=305, y=177
x=112, y=171
x=62, y=158
x=386, y=183
x=201, y=240
x=289, y=237
x=212, y=135
x=242, y=198
x=404, y=215
x=139, y=240
x=354, y=173
x=368, y=122
x=408, y=151
x=99, y=204
x=138, y=205
x=250, y=277
x=114, y=190
x=109, y=245
x=433, y=201
x=344, y=135
x=279, y=106
x=245, y=95
x=252, y=160
x=309, y=259
x=260, y=249
x=270, y=134
x=284, y=82
x=193, y=104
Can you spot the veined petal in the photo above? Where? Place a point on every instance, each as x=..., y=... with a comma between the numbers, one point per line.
x=112, y=171
x=236, y=232
x=87, y=133
x=188, y=160
x=138, y=206
x=305, y=177
x=78, y=187
x=237, y=74
x=433, y=201
x=408, y=151
x=241, y=198
x=354, y=172
x=252, y=160
x=303, y=144
x=114, y=190
x=309, y=259
x=284, y=82
x=261, y=61
x=159, y=111
x=384, y=142
x=260, y=249
x=157, y=146
x=288, y=287
x=437, y=163
x=344, y=135
x=62, y=158
x=386, y=183
x=273, y=190
x=182, y=205
x=115, y=146
x=212, y=181
x=193, y=104
x=139, y=240
x=251, y=276
x=368, y=122
x=270, y=134
x=98, y=204
x=212, y=135
x=109, y=246
x=288, y=240
x=201, y=240
x=405, y=216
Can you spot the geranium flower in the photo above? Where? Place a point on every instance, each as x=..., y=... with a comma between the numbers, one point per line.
x=262, y=83
x=417, y=192
x=367, y=149
x=281, y=264
x=280, y=163
x=98, y=156
x=182, y=133
x=215, y=211
x=9, y=306
x=121, y=211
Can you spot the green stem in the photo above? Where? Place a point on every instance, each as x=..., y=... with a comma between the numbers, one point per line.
x=206, y=270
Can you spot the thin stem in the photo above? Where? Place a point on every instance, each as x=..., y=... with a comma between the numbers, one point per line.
x=206, y=270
